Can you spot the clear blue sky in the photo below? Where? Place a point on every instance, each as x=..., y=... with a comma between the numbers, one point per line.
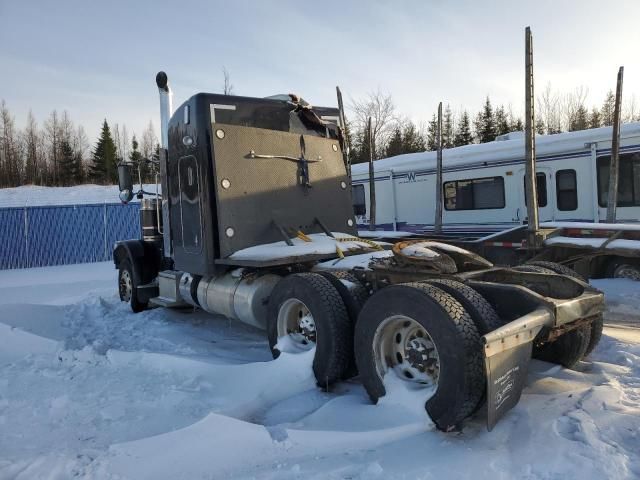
x=99, y=59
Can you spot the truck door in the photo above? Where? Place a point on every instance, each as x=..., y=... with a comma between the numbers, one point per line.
x=545, y=200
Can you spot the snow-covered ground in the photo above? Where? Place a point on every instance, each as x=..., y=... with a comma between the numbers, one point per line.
x=90, y=390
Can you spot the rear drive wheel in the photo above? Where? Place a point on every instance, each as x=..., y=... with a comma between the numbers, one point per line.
x=127, y=286
x=481, y=311
x=558, y=268
x=568, y=349
x=305, y=312
x=354, y=295
x=532, y=269
x=423, y=335
x=596, y=334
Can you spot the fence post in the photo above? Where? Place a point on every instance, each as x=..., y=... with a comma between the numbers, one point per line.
x=26, y=237
x=104, y=227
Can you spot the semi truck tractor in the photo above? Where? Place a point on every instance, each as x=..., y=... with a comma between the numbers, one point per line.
x=253, y=219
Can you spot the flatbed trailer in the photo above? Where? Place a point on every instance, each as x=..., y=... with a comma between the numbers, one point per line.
x=255, y=222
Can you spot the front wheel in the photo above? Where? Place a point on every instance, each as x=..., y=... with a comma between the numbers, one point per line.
x=127, y=286
x=422, y=335
x=307, y=312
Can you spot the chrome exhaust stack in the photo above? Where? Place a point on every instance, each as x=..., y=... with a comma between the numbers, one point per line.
x=166, y=107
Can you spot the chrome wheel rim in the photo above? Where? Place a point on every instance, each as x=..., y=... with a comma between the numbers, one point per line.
x=296, y=322
x=126, y=286
x=404, y=346
x=627, y=271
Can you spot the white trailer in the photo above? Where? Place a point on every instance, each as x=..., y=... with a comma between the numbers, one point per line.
x=483, y=185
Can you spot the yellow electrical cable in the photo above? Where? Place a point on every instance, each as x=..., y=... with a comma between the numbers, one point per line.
x=363, y=240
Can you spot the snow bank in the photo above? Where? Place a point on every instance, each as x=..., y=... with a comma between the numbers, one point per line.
x=32, y=196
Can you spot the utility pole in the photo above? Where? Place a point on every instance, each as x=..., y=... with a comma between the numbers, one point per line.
x=533, y=226
x=372, y=180
x=612, y=199
x=343, y=125
x=438, y=219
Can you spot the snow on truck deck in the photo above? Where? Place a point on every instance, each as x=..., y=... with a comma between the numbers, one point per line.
x=90, y=390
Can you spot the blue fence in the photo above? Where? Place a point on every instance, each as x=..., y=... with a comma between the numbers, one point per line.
x=61, y=235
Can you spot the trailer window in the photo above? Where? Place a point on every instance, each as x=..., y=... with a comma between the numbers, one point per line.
x=566, y=190
x=359, y=204
x=541, y=188
x=474, y=194
x=628, y=180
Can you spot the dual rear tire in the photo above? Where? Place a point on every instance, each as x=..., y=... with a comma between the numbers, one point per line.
x=416, y=331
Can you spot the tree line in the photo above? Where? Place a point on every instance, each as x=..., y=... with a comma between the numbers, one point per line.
x=393, y=134
x=58, y=153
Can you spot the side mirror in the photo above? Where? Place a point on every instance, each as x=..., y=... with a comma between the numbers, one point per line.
x=125, y=182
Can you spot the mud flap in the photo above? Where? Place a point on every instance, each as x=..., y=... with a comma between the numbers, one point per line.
x=506, y=376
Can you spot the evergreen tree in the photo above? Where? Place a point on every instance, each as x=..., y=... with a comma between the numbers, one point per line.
x=606, y=113
x=412, y=141
x=395, y=145
x=501, y=121
x=580, y=120
x=485, y=124
x=540, y=127
x=135, y=157
x=516, y=125
x=432, y=130
x=447, y=128
x=103, y=166
x=67, y=165
x=595, y=119
x=463, y=134
x=78, y=169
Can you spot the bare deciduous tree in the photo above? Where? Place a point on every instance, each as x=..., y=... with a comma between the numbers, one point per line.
x=228, y=87
x=573, y=110
x=380, y=108
x=549, y=110
x=32, y=141
x=10, y=150
x=53, y=138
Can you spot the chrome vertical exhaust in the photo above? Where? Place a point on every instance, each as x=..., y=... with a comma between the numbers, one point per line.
x=166, y=107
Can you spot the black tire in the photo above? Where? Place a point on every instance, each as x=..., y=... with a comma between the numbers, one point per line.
x=596, y=334
x=623, y=268
x=354, y=295
x=557, y=268
x=532, y=268
x=481, y=311
x=461, y=383
x=126, y=274
x=334, y=346
x=567, y=350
